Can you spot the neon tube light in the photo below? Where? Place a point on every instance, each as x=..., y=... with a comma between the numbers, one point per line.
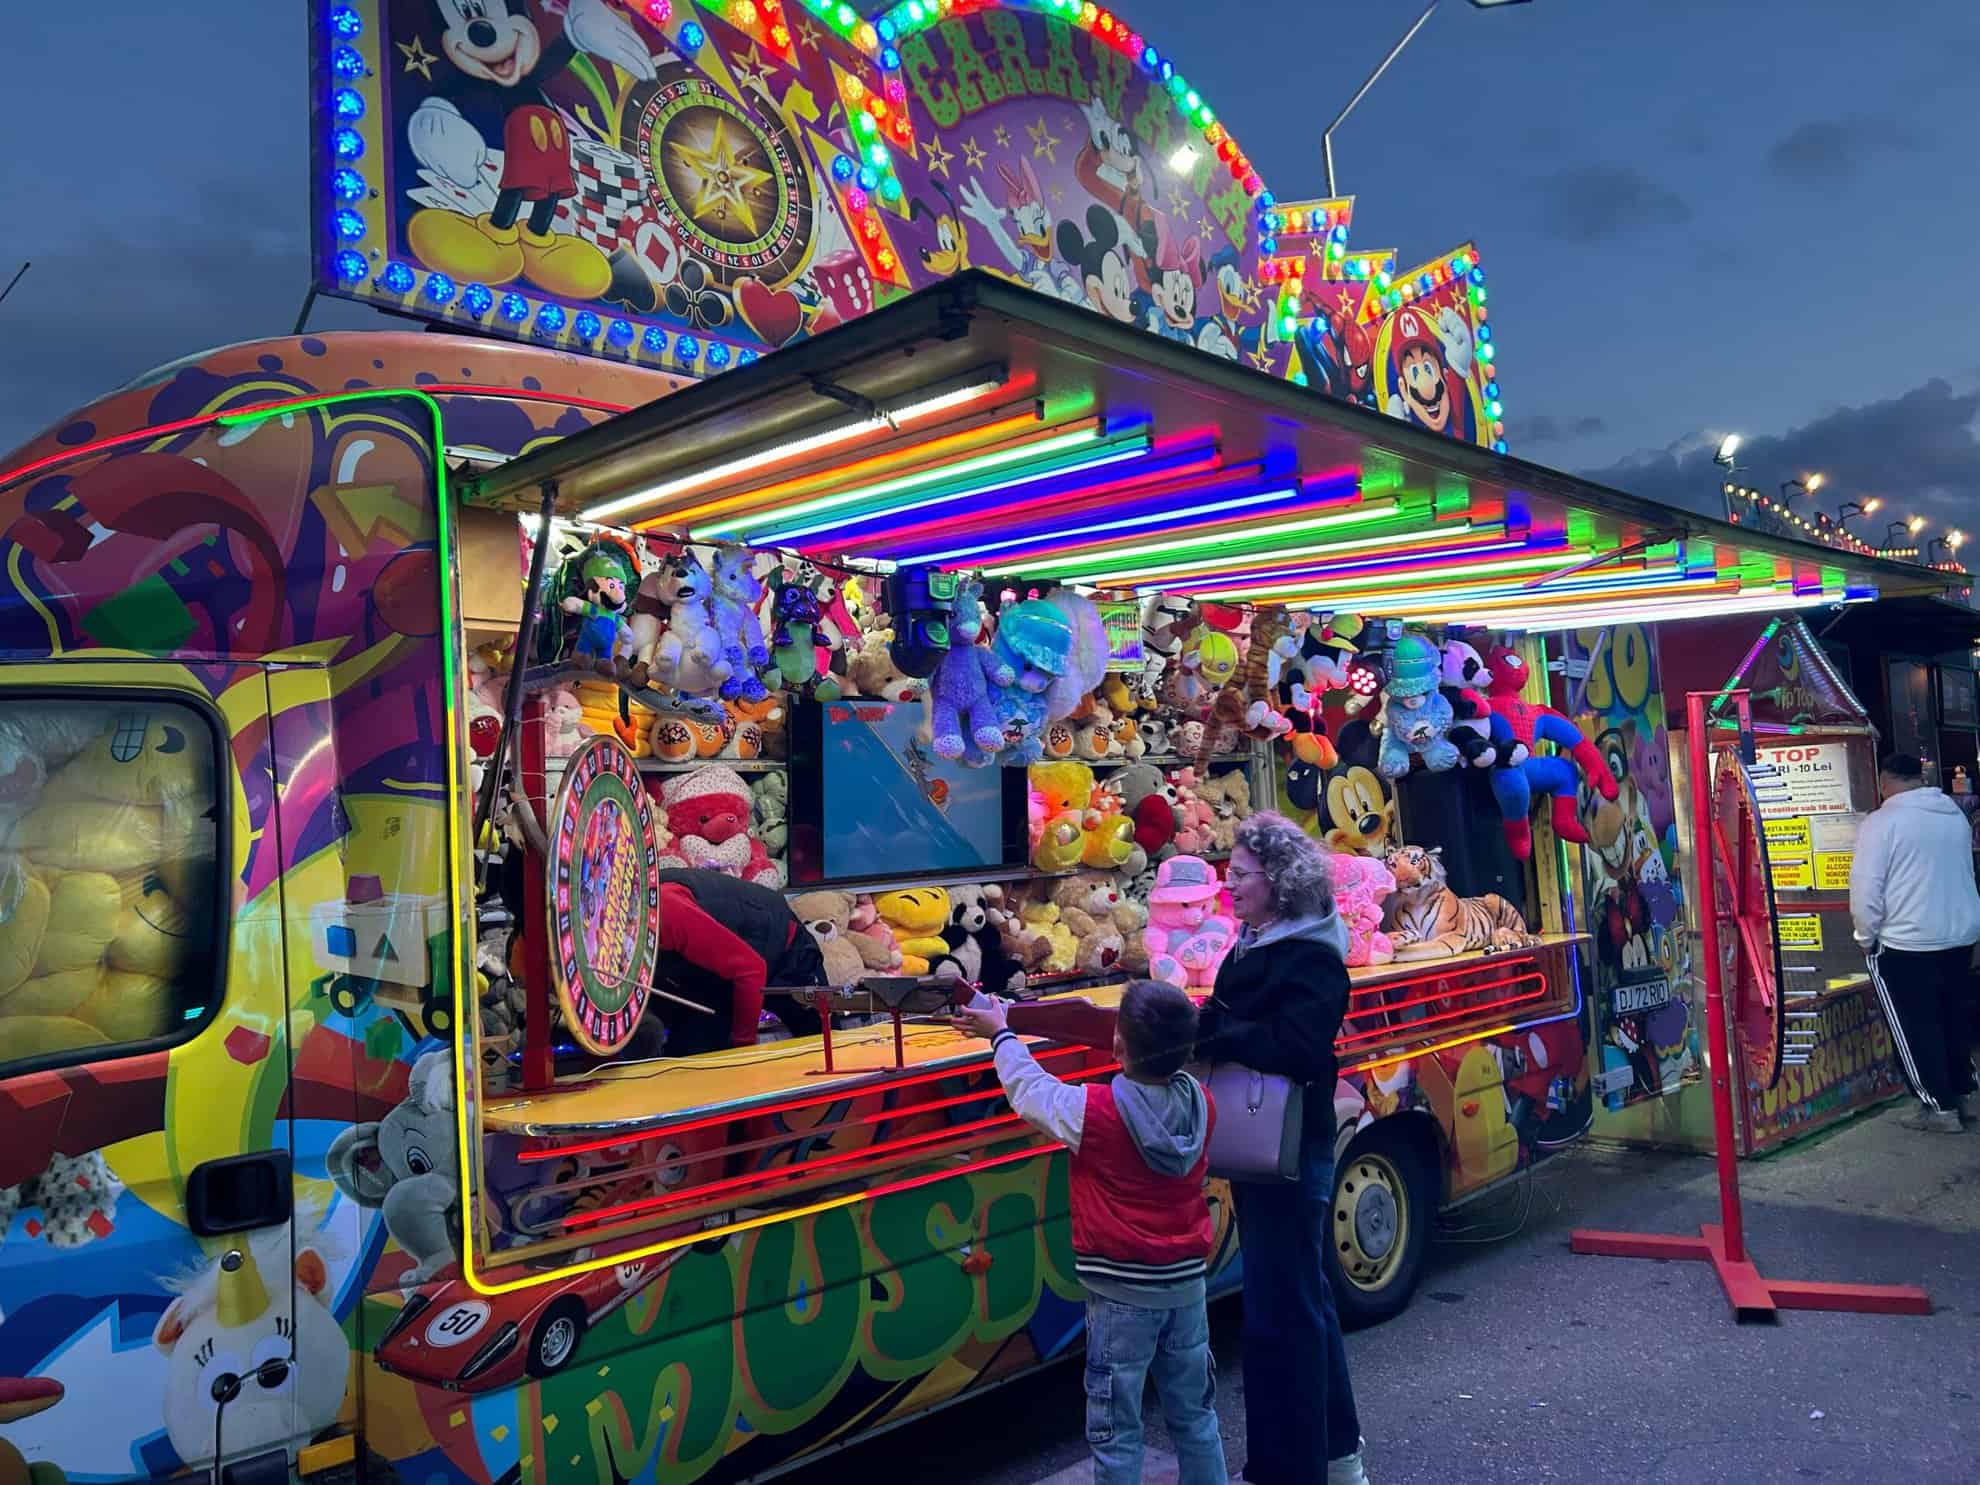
x=910, y=541
x=1032, y=449
x=1361, y=515
x=994, y=433
x=796, y=448
x=1125, y=523
x=875, y=528
x=1027, y=472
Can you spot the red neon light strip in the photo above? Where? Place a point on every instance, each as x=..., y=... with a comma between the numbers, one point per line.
x=263, y=409
x=763, y=1181
x=664, y=1131
x=1403, y=1005
x=1007, y=516
x=1390, y=1033
x=1433, y=977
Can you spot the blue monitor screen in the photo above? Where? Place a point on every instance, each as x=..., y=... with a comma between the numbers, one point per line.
x=880, y=803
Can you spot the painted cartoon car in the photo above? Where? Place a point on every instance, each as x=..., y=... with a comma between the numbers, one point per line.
x=449, y=1336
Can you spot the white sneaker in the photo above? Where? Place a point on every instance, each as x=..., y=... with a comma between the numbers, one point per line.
x=1348, y=1471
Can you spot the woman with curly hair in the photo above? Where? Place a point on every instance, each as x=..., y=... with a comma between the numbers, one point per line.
x=1278, y=1003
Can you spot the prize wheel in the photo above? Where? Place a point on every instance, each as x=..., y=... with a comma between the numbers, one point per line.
x=1743, y=902
x=604, y=896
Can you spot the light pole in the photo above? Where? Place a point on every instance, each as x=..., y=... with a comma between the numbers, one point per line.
x=1728, y=446
x=1327, y=139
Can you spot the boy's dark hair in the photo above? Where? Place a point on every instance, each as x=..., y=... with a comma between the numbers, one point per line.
x=1158, y=1028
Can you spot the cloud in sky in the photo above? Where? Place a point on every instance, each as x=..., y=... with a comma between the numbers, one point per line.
x=1597, y=203
x=1920, y=451
x=1827, y=152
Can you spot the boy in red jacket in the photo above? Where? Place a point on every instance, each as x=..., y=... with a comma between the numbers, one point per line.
x=1141, y=1226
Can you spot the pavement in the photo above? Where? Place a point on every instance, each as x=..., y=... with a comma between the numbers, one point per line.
x=1520, y=1361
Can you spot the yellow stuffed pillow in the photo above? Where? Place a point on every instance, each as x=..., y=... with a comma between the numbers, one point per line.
x=37, y=1036
x=23, y=920
x=152, y=930
x=131, y=1007
x=53, y=995
x=82, y=920
x=92, y=835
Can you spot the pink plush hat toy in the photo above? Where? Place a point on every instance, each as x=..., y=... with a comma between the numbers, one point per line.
x=1185, y=879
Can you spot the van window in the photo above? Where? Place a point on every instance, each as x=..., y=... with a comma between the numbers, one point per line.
x=110, y=890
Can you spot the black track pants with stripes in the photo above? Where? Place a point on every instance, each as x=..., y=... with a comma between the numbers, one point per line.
x=1924, y=998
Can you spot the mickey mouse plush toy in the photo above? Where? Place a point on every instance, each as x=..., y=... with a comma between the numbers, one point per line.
x=505, y=58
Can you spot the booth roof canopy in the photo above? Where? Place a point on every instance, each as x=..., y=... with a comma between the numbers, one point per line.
x=977, y=425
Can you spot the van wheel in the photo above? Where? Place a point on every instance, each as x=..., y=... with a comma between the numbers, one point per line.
x=556, y=1339
x=1379, y=1225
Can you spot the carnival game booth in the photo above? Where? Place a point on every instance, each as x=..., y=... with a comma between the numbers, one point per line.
x=1035, y=455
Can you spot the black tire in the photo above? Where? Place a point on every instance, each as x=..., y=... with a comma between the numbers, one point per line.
x=346, y=999
x=556, y=1338
x=1379, y=1227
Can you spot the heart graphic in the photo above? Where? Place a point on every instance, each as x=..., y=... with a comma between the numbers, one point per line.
x=774, y=314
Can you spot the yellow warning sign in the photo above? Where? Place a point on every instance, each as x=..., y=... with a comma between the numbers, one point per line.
x=1788, y=837
x=1800, y=931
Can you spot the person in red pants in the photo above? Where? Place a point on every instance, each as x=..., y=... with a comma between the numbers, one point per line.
x=1916, y=913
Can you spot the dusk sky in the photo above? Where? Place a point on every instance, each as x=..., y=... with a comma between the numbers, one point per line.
x=1699, y=216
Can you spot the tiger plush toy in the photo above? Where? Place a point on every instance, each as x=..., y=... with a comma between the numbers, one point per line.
x=1429, y=921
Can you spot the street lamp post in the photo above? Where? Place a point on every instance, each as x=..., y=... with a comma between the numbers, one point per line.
x=1327, y=139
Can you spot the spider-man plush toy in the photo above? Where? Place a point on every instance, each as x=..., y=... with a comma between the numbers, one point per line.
x=1517, y=721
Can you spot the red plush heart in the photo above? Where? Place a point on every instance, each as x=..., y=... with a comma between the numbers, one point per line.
x=774, y=314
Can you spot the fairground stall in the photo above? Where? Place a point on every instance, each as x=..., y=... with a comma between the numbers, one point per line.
x=490, y=820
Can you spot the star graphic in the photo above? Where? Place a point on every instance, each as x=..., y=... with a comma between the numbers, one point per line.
x=1044, y=143
x=938, y=158
x=1003, y=136
x=721, y=180
x=809, y=34
x=972, y=154
x=418, y=58
x=751, y=71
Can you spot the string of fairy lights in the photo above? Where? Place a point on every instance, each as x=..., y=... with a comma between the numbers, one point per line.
x=1746, y=505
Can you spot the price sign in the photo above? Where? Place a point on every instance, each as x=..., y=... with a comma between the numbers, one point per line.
x=1815, y=777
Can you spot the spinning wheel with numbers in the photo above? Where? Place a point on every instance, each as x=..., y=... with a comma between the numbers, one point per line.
x=1743, y=901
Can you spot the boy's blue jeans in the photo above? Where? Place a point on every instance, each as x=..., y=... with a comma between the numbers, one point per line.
x=1124, y=1344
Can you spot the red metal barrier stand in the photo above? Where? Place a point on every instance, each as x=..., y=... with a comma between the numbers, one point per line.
x=1723, y=1243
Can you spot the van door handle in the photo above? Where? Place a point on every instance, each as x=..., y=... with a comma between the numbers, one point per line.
x=239, y=1192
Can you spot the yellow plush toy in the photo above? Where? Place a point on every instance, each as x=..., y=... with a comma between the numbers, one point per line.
x=917, y=917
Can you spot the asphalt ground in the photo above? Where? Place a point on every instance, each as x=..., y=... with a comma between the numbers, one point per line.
x=1520, y=1361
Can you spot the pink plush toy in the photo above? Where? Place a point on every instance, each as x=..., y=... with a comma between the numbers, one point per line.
x=1197, y=831
x=1187, y=938
x=1361, y=889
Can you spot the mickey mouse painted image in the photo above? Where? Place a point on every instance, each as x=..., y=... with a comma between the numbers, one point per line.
x=507, y=51
x=1101, y=261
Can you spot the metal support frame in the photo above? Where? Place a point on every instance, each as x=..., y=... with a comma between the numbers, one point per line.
x=1723, y=1243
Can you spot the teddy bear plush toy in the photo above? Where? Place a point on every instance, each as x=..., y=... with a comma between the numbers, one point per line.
x=1416, y=718
x=1187, y=938
x=828, y=917
x=708, y=811
x=1086, y=905
x=1362, y=885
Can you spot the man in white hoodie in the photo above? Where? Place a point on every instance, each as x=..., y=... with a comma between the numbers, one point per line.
x=1917, y=916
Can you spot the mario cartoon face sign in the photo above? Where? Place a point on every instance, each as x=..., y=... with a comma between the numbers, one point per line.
x=1426, y=371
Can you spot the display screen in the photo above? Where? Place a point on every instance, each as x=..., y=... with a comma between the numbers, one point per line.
x=869, y=798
